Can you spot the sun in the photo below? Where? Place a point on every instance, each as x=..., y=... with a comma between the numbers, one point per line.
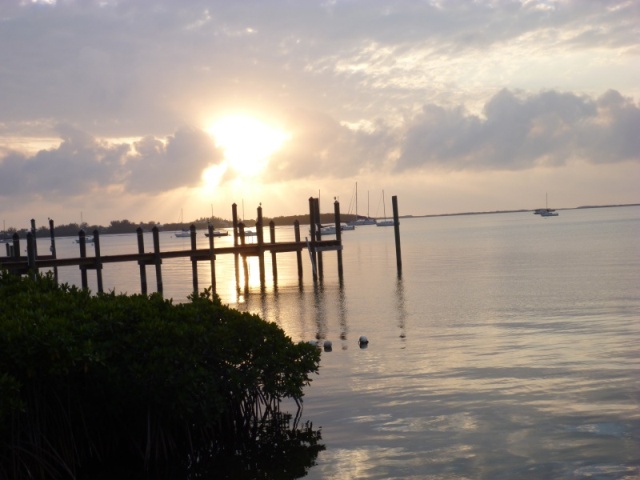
x=248, y=143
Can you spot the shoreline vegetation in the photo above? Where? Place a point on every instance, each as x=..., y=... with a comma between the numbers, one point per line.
x=116, y=227
x=133, y=386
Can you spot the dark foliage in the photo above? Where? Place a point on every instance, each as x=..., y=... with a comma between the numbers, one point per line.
x=116, y=386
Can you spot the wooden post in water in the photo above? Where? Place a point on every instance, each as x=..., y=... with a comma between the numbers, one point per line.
x=245, y=267
x=234, y=215
x=32, y=250
x=312, y=230
x=274, y=262
x=31, y=255
x=16, y=246
x=35, y=243
x=212, y=260
x=396, y=228
x=296, y=231
x=157, y=259
x=83, y=254
x=316, y=206
x=141, y=264
x=194, y=260
x=336, y=214
x=53, y=249
x=96, y=246
x=260, y=235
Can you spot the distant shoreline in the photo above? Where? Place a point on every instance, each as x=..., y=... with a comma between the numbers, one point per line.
x=516, y=211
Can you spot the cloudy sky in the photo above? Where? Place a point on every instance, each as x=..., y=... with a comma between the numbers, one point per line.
x=141, y=109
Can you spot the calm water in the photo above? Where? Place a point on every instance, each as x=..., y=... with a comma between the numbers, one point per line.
x=508, y=349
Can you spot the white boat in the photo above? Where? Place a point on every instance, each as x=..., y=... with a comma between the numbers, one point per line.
x=546, y=212
x=219, y=233
x=360, y=221
x=325, y=229
x=87, y=239
x=385, y=222
x=331, y=228
x=185, y=232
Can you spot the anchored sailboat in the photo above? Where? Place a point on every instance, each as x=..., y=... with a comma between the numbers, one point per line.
x=386, y=222
x=185, y=232
x=546, y=212
x=359, y=221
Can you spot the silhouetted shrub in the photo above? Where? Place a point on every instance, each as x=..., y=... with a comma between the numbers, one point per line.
x=118, y=386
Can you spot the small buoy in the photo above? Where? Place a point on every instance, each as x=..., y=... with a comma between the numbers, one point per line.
x=328, y=346
x=363, y=341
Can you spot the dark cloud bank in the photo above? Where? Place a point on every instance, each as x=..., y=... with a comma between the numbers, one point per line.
x=514, y=132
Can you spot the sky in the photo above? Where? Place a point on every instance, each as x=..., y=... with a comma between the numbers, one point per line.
x=157, y=110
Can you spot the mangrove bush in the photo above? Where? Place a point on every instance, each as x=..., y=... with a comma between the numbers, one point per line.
x=134, y=386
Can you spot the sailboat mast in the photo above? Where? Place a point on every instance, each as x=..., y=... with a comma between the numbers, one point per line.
x=384, y=206
x=356, y=200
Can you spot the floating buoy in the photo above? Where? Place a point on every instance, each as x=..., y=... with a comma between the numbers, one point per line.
x=363, y=341
x=328, y=346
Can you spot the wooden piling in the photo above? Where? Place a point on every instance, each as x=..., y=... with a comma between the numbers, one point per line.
x=234, y=216
x=83, y=254
x=316, y=206
x=53, y=248
x=296, y=231
x=213, y=258
x=274, y=263
x=313, y=226
x=396, y=229
x=260, y=236
x=96, y=246
x=31, y=255
x=16, y=246
x=35, y=243
x=141, y=263
x=157, y=259
x=194, y=260
x=336, y=214
x=245, y=266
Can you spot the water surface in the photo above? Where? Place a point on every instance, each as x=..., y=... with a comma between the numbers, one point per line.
x=507, y=348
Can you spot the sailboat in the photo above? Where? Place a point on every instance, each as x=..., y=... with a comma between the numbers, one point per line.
x=362, y=220
x=87, y=238
x=386, y=222
x=216, y=232
x=185, y=232
x=546, y=212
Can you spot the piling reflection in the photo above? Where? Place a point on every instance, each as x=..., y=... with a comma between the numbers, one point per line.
x=401, y=307
x=342, y=313
x=319, y=304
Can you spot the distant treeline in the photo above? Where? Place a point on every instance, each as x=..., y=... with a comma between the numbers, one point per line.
x=115, y=227
x=127, y=226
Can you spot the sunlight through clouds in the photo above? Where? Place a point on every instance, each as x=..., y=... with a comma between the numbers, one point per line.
x=247, y=143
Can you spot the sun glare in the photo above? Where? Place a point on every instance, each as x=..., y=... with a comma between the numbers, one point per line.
x=247, y=142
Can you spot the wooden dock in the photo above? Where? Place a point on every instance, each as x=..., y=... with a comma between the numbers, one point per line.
x=316, y=246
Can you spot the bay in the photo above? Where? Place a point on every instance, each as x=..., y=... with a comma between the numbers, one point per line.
x=506, y=349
